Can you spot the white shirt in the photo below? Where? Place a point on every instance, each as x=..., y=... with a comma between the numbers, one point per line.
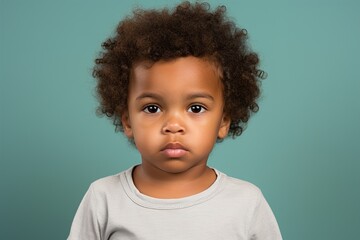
x=230, y=209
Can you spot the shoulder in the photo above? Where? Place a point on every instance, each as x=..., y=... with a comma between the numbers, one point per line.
x=235, y=188
x=242, y=185
x=106, y=183
x=109, y=185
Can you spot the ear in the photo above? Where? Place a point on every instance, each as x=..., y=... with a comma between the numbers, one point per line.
x=224, y=127
x=126, y=123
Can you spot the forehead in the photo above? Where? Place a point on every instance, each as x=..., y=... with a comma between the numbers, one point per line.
x=189, y=72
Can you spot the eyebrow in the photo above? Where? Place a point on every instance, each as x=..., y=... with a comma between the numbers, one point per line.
x=148, y=95
x=189, y=97
x=200, y=95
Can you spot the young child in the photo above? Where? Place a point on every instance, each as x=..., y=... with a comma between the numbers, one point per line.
x=176, y=82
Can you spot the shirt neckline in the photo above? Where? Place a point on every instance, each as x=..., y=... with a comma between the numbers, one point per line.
x=166, y=204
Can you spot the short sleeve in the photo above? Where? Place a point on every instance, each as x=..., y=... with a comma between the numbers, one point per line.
x=85, y=225
x=263, y=224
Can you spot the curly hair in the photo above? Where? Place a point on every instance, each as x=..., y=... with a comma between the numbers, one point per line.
x=187, y=30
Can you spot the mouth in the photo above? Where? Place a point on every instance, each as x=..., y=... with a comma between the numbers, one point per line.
x=174, y=150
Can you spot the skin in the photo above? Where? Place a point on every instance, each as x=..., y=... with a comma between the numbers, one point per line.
x=175, y=115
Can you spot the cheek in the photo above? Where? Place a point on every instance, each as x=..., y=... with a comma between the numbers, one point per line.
x=211, y=124
x=205, y=132
x=144, y=133
x=147, y=145
x=142, y=126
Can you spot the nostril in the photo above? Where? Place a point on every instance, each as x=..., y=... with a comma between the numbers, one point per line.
x=173, y=128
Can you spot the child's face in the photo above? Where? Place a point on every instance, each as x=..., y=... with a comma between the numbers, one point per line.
x=175, y=113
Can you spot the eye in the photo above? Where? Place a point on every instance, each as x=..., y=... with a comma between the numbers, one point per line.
x=196, y=109
x=151, y=109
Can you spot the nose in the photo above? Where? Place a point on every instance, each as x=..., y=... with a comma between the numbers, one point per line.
x=173, y=124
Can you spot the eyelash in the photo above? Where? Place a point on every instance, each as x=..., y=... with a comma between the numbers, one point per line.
x=148, y=107
x=152, y=109
x=197, y=107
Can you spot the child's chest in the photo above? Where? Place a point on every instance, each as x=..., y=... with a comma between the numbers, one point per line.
x=205, y=221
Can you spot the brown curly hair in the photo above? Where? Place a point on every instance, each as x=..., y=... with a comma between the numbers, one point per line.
x=187, y=30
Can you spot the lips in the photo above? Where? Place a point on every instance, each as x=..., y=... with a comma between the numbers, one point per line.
x=174, y=150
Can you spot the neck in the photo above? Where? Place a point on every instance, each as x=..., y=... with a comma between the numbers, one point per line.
x=158, y=183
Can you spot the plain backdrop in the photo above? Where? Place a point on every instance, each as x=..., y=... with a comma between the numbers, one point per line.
x=302, y=148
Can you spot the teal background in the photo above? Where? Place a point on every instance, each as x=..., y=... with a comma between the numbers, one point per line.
x=302, y=149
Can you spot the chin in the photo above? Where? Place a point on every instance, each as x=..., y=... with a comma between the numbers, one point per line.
x=176, y=166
